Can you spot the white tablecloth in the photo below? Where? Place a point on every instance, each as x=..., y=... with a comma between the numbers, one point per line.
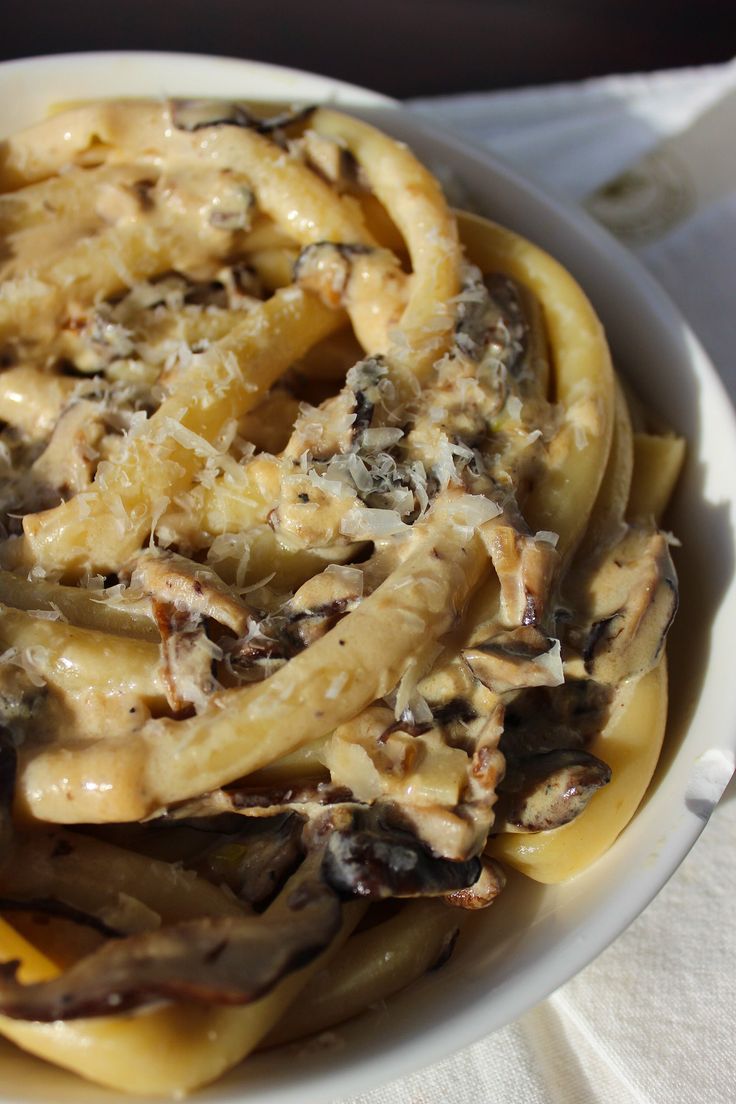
x=653, y=1020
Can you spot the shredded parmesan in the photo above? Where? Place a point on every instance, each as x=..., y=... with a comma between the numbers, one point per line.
x=369, y=524
x=337, y=684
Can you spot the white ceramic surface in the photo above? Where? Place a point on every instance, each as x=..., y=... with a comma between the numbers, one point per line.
x=536, y=937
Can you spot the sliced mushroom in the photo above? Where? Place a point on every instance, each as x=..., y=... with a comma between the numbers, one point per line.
x=476, y=810
x=312, y=510
x=232, y=204
x=230, y=960
x=183, y=593
x=366, y=280
x=69, y=459
x=187, y=656
x=331, y=160
x=482, y=892
x=365, y=380
x=522, y=331
x=125, y=890
x=455, y=710
x=316, y=607
x=256, y=659
x=627, y=605
x=549, y=790
x=48, y=906
x=192, y=588
x=525, y=567
x=441, y=773
x=218, y=202
x=327, y=269
x=256, y=861
x=369, y=858
x=307, y=799
x=567, y=717
x=336, y=584
x=516, y=659
x=193, y=115
x=319, y=603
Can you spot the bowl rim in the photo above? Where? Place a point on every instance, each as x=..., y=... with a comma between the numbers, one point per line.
x=430, y=1043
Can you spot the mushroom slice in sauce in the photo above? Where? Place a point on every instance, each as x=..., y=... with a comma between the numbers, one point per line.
x=320, y=603
x=326, y=268
x=366, y=857
x=93, y=338
x=522, y=325
x=567, y=717
x=365, y=279
x=48, y=906
x=525, y=567
x=484, y=891
x=331, y=160
x=194, y=115
x=69, y=459
x=106, y=882
x=305, y=798
x=549, y=790
x=324, y=430
x=187, y=655
x=630, y=601
x=516, y=659
x=192, y=588
x=316, y=607
x=378, y=758
x=182, y=594
x=365, y=379
x=498, y=317
x=256, y=659
x=256, y=861
x=228, y=960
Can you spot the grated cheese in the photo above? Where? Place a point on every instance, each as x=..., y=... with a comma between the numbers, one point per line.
x=371, y=524
x=337, y=685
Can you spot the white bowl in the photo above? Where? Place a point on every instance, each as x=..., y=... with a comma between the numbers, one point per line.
x=535, y=938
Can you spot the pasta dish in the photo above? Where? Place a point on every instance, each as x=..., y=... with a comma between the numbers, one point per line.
x=331, y=579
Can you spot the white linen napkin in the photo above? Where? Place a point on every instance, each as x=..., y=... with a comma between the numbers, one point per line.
x=652, y=1020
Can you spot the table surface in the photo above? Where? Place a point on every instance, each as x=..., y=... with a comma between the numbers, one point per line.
x=400, y=47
